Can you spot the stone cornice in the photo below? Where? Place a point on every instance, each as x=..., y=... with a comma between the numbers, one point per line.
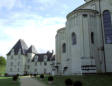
x=81, y=10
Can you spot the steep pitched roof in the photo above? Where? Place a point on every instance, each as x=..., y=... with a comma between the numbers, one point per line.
x=32, y=49
x=41, y=56
x=19, y=45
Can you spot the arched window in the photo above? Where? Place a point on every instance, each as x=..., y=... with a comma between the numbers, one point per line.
x=74, y=40
x=64, y=48
x=92, y=37
x=107, y=27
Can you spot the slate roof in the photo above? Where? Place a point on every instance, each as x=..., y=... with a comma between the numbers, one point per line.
x=53, y=58
x=32, y=49
x=19, y=45
x=41, y=56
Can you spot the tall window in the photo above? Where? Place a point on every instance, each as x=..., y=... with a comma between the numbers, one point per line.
x=35, y=70
x=11, y=57
x=107, y=27
x=64, y=48
x=10, y=69
x=11, y=64
x=35, y=63
x=92, y=37
x=74, y=38
x=18, y=69
x=45, y=63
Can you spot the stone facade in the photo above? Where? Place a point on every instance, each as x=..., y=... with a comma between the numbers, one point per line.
x=85, y=44
x=23, y=60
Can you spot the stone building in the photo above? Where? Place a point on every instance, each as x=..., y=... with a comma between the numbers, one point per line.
x=85, y=44
x=23, y=60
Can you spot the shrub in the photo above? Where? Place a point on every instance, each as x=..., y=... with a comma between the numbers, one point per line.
x=42, y=76
x=34, y=75
x=50, y=78
x=77, y=83
x=68, y=82
x=5, y=74
x=15, y=77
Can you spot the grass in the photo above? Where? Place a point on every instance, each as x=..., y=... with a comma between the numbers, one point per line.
x=90, y=80
x=7, y=81
x=2, y=69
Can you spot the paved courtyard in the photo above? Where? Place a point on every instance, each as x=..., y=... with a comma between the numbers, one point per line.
x=27, y=81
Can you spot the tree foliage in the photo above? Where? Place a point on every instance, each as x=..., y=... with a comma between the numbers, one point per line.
x=2, y=60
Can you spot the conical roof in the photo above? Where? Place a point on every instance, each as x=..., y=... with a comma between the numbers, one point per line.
x=32, y=49
x=19, y=45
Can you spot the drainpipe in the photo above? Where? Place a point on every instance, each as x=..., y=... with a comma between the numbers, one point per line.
x=102, y=32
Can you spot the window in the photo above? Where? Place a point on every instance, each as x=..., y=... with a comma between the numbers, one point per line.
x=40, y=63
x=84, y=15
x=45, y=70
x=18, y=69
x=92, y=37
x=107, y=27
x=11, y=64
x=10, y=69
x=64, y=48
x=28, y=60
x=45, y=63
x=35, y=70
x=11, y=57
x=45, y=58
x=18, y=63
x=73, y=38
x=19, y=56
x=28, y=67
x=35, y=63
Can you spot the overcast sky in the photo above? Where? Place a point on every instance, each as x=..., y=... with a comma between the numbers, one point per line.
x=34, y=21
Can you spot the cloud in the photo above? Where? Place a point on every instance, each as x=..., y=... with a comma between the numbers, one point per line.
x=36, y=30
x=35, y=21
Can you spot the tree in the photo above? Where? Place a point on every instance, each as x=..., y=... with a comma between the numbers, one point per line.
x=2, y=60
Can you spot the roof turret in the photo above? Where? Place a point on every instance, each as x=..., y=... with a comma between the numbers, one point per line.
x=32, y=49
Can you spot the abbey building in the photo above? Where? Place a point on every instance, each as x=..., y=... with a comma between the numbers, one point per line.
x=23, y=60
x=85, y=44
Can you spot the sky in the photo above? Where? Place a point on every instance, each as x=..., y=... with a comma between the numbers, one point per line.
x=34, y=21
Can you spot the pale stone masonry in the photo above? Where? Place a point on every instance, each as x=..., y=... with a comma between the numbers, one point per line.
x=85, y=44
x=23, y=60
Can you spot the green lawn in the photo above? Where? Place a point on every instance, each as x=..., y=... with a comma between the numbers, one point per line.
x=2, y=69
x=7, y=81
x=90, y=80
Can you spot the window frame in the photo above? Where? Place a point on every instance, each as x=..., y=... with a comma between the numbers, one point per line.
x=107, y=27
x=74, y=38
x=64, y=47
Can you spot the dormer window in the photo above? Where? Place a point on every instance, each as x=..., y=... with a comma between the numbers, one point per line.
x=36, y=58
x=28, y=60
x=45, y=57
x=19, y=51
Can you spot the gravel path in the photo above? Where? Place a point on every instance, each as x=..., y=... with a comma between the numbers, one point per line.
x=27, y=81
